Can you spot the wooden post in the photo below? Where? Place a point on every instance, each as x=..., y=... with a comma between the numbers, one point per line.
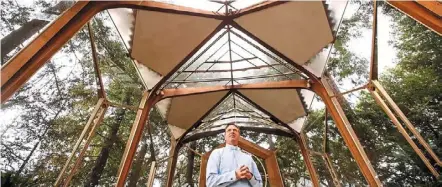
x=153, y=169
x=331, y=169
x=407, y=122
x=307, y=161
x=404, y=133
x=86, y=145
x=80, y=139
x=335, y=110
x=173, y=157
x=147, y=102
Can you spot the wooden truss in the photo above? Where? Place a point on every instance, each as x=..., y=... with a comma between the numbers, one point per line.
x=22, y=66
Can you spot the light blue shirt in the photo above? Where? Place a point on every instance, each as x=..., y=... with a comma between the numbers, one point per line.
x=223, y=162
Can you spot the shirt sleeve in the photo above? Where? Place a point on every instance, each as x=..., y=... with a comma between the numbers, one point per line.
x=256, y=180
x=213, y=176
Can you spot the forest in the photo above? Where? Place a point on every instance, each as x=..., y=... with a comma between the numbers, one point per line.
x=43, y=120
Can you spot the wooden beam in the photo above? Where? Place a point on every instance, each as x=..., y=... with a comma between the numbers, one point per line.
x=173, y=157
x=152, y=171
x=253, y=148
x=273, y=170
x=147, y=102
x=100, y=87
x=407, y=122
x=79, y=160
x=420, y=13
x=404, y=133
x=203, y=167
x=257, y=7
x=23, y=65
x=331, y=169
x=434, y=6
x=80, y=139
x=31, y=58
x=307, y=160
x=374, y=41
x=335, y=110
x=301, y=83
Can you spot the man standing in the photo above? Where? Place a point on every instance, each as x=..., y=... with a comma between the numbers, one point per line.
x=229, y=166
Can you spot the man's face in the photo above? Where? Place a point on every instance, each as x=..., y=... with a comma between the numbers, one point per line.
x=232, y=135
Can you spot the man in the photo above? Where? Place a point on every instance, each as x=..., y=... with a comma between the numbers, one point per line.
x=229, y=166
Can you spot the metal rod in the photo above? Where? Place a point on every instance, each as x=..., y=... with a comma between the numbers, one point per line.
x=228, y=62
x=200, y=54
x=280, y=62
x=229, y=79
x=404, y=133
x=265, y=52
x=350, y=91
x=230, y=53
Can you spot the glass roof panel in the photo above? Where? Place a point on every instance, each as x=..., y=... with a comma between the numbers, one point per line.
x=237, y=110
x=230, y=57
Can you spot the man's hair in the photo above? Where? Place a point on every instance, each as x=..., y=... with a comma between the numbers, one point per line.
x=232, y=124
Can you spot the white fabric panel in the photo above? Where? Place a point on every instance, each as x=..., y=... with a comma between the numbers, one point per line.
x=176, y=131
x=298, y=29
x=163, y=106
x=317, y=63
x=187, y=110
x=162, y=40
x=284, y=104
x=124, y=20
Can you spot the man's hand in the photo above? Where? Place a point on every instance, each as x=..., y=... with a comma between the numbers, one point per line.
x=243, y=173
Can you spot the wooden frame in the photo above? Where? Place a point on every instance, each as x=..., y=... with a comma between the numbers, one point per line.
x=94, y=120
x=404, y=133
x=427, y=13
x=22, y=66
x=271, y=162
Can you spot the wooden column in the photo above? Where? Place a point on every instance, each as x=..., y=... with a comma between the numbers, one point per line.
x=153, y=169
x=147, y=102
x=307, y=161
x=171, y=165
x=404, y=133
x=346, y=131
x=380, y=89
x=79, y=160
x=96, y=110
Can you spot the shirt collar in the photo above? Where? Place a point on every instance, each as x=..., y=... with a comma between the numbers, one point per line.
x=231, y=147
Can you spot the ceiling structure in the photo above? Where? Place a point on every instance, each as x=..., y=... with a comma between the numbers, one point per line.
x=227, y=50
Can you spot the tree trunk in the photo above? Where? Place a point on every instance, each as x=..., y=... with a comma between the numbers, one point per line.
x=138, y=165
x=190, y=164
x=101, y=161
x=270, y=141
x=17, y=37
